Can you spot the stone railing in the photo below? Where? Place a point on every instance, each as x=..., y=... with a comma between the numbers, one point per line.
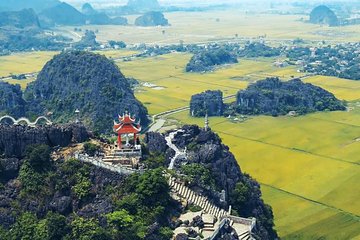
x=99, y=163
x=25, y=120
x=217, y=231
x=251, y=222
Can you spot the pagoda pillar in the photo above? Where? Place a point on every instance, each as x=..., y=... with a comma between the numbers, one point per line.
x=119, y=140
x=127, y=140
x=135, y=139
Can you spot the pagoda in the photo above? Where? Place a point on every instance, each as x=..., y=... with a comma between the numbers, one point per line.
x=127, y=125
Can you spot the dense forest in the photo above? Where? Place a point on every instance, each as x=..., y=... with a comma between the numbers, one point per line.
x=206, y=60
x=275, y=97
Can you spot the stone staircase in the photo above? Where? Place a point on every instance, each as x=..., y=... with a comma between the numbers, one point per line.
x=214, y=217
x=195, y=198
x=125, y=157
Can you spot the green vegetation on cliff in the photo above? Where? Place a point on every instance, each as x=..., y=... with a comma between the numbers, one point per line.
x=73, y=200
x=274, y=97
x=11, y=101
x=85, y=81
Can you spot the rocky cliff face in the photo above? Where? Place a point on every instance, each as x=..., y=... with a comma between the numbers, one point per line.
x=209, y=102
x=62, y=201
x=15, y=138
x=11, y=101
x=206, y=149
x=275, y=97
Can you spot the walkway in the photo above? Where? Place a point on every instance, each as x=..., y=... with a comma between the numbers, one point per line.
x=98, y=161
x=178, y=153
x=25, y=120
x=242, y=226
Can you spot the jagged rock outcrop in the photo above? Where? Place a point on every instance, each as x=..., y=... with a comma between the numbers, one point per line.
x=62, y=201
x=209, y=102
x=87, y=41
x=15, y=138
x=87, y=9
x=323, y=15
x=88, y=82
x=151, y=19
x=205, y=148
x=155, y=142
x=11, y=101
x=274, y=97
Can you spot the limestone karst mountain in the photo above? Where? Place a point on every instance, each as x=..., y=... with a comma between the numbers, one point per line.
x=85, y=81
x=323, y=15
x=151, y=19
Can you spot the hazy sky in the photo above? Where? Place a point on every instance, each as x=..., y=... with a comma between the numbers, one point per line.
x=97, y=3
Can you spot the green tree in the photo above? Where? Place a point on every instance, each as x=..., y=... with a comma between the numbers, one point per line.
x=120, y=219
x=91, y=148
x=32, y=182
x=4, y=234
x=82, y=187
x=25, y=227
x=38, y=157
x=198, y=174
x=151, y=187
x=87, y=229
x=155, y=161
x=240, y=196
x=53, y=227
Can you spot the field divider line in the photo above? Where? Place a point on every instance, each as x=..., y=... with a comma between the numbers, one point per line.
x=311, y=200
x=162, y=78
x=292, y=149
x=337, y=122
x=203, y=82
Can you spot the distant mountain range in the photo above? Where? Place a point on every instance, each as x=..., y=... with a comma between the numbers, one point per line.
x=49, y=13
x=20, y=19
x=37, y=5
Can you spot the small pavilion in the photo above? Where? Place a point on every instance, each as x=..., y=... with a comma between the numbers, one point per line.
x=127, y=125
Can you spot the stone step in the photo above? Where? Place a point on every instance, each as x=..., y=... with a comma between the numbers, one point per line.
x=209, y=229
x=208, y=225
